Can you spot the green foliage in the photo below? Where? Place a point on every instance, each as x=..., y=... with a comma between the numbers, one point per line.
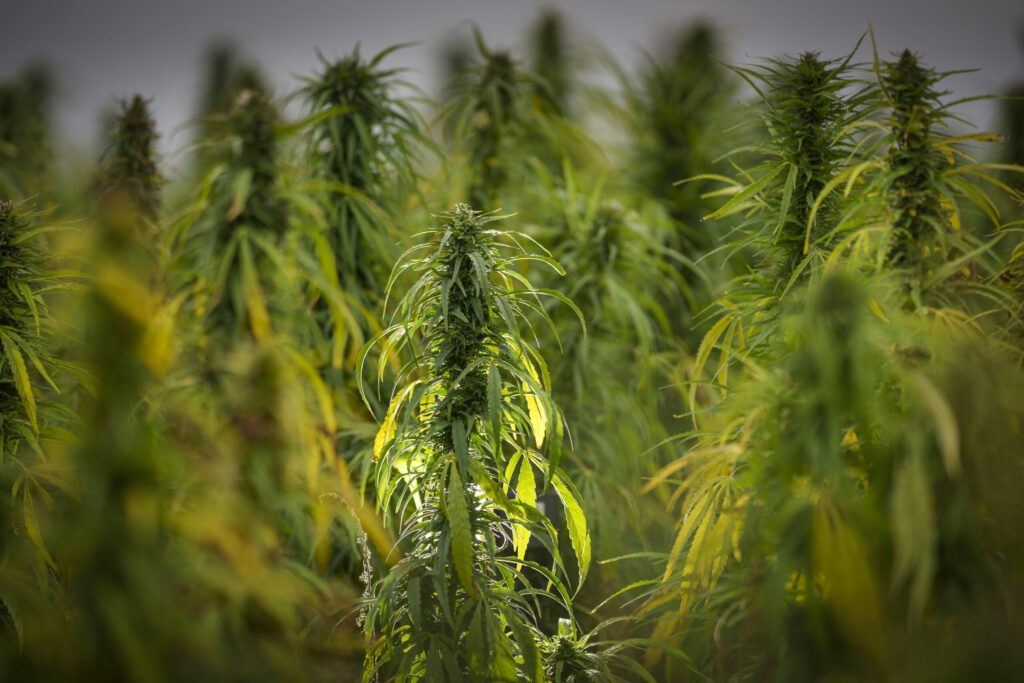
x=551, y=61
x=467, y=427
x=240, y=220
x=807, y=116
x=363, y=147
x=131, y=166
x=25, y=145
x=678, y=126
x=227, y=73
x=488, y=115
x=825, y=485
x=199, y=482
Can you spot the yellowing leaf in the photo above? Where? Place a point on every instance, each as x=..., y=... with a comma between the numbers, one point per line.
x=576, y=521
x=323, y=396
x=526, y=492
x=877, y=310
x=703, y=351
x=259, y=319
x=158, y=339
x=699, y=512
x=945, y=424
x=849, y=590
x=389, y=425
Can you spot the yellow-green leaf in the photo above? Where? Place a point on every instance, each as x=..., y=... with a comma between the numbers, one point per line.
x=526, y=492
x=946, y=429
x=259, y=319
x=21, y=380
x=32, y=527
x=462, y=535
x=703, y=351
x=576, y=521
x=323, y=396
x=538, y=419
x=389, y=425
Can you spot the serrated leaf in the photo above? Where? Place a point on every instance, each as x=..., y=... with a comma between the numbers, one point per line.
x=21, y=380
x=527, y=647
x=415, y=604
x=744, y=196
x=461, y=442
x=494, y=407
x=703, y=351
x=30, y=300
x=576, y=522
x=462, y=535
x=698, y=512
x=526, y=492
x=534, y=406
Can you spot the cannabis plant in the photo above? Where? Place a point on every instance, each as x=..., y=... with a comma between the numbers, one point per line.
x=32, y=422
x=931, y=187
x=551, y=61
x=469, y=434
x=25, y=146
x=810, y=107
x=606, y=379
x=487, y=117
x=227, y=73
x=363, y=144
x=677, y=115
x=499, y=131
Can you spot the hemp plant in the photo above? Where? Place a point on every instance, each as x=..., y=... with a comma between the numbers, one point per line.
x=501, y=129
x=247, y=277
x=232, y=242
x=362, y=145
x=487, y=115
x=129, y=179
x=930, y=185
x=25, y=138
x=31, y=420
x=551, y=61
x=470, y=432
x=617, y=269
x=809, y=109
x=677, y=114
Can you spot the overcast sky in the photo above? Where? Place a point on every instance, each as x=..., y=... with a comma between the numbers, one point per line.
x=104, y=49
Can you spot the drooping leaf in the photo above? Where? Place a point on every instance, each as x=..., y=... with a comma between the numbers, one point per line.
x=462, y=539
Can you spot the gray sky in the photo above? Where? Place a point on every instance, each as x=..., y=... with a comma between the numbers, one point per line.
x=104, y=49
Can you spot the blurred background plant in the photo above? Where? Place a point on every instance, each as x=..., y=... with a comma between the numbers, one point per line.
x=730, y=392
